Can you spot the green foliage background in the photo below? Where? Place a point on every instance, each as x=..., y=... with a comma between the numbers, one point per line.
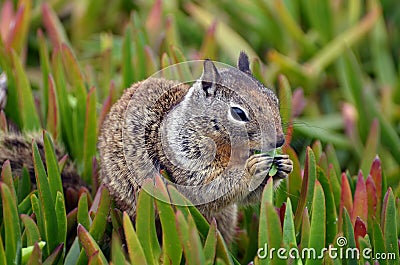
x=334, y=65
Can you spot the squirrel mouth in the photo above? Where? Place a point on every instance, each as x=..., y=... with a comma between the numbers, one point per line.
x=271, y=152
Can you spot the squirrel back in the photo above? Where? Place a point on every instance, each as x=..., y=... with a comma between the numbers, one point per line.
x=113, y=152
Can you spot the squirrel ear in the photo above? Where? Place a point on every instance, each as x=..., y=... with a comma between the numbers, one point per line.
x=209, y=78
x=243, y=63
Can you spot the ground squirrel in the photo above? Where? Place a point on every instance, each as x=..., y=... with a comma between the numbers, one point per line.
x=205, y=136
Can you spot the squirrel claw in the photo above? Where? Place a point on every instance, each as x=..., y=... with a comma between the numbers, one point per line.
x=284, y=165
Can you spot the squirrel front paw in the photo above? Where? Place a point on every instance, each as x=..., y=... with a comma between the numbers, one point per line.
x=258, y=166
x=284, y=166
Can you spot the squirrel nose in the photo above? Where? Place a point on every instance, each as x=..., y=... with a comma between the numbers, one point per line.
x=280, y=140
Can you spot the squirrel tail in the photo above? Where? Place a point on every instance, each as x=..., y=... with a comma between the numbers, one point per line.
x=17, y=148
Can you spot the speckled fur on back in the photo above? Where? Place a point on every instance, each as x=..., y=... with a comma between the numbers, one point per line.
x=115, y=172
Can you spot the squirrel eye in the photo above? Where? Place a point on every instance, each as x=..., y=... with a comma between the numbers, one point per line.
x=239, y=114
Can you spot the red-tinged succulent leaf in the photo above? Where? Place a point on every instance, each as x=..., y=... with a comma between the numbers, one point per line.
x=360, y=206
x=289, y=133
x=83, y=216
x=228, y=39
x=96, y=259
x=72, y=220
x=100, y=220
x=323, y=162
x=360, y=230
x=36, y=255
x=74, y=73
x=75, y=77
x=7, y=16
x=52, y=124
x=55, y=255
x=53, y=26
x=372, y=196
x=346, y=198
x=384, y=208
x=3, y=122
x=376, y=173
x=155, y=22
x=307, y=188
x=89, y=244
x=281, y=212
x=18, y=30
x=189, y=239
x=210, y=245
x=89, y=197
x=298, y=102
x=317, y=149
x=62, y=162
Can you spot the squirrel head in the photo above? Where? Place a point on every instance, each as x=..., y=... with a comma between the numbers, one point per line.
x=227, y=114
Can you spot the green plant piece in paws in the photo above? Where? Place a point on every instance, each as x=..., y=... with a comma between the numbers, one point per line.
x=272, y=172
